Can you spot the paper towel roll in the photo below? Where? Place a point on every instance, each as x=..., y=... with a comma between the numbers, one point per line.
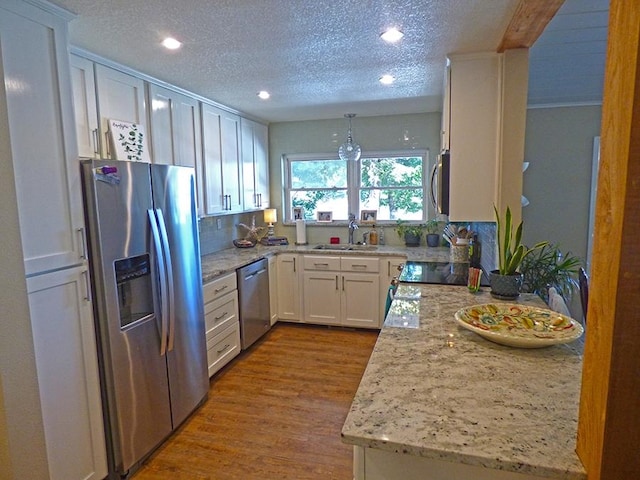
x=301, y=232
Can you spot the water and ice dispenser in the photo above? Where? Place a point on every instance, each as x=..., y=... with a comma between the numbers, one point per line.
x=135, y=294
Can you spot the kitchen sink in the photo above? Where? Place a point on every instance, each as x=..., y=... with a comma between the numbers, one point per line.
x=344, y=246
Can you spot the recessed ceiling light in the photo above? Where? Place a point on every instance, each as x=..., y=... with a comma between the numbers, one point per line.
x=387, y=79
x=263, y=94
x=171, y=43
x=392, y=35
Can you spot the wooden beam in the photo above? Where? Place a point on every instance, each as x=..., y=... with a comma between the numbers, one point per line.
x=529, y=21
x=609, y=423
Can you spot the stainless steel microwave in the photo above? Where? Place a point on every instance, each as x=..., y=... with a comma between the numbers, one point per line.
x=440, y=183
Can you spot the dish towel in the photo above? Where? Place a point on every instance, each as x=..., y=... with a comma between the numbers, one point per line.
x=557, y=303
x=390, y=293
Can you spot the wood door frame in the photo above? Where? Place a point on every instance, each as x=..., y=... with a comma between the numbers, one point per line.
x=609, y=424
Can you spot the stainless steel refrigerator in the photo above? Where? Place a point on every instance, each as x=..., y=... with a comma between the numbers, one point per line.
x=147, y=287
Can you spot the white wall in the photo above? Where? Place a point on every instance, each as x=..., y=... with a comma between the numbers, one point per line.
x=392, y=132
x=558, y=145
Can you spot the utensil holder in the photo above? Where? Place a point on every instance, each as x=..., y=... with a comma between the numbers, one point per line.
x=459, y=254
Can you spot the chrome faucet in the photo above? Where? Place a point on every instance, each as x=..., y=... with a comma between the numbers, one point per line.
x=353, y=226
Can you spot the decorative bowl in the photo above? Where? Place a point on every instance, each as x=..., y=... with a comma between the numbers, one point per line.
x=519, y=325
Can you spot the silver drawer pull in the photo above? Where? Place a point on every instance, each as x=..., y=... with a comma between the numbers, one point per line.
x=218, y=290
x=321, y=264
x=226, y=347
x=221, y=316
x=358, y=265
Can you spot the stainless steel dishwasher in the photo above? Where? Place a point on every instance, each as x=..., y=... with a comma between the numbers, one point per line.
x=253, y=294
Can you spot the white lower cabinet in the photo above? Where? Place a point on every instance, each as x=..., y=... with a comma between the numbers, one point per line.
x=273, y=288
x=389, y=268
x=222, y=323
x=342, y=291
x=67, y=365
x=289, y=293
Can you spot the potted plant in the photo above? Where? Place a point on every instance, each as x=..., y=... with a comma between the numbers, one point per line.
x=433, y=238
x=549, y=267
x=411, y=233
x=506, y=281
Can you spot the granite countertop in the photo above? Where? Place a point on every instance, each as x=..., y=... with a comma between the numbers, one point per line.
x=224, y=261
x=436, y=390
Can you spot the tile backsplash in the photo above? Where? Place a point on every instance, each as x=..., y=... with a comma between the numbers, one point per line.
x=218, y=233
x=487, y=236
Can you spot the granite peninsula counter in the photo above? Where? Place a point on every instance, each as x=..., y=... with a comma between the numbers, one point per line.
x=439, y=402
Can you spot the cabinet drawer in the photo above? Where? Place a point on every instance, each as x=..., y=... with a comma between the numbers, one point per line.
x=321, y=262
x=219, y=287
x=360, y=264
x=220, y=313
x=223, y=347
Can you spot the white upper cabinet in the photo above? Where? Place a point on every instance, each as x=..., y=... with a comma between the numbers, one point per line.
x=85, y=108
x=35, y=70
x=475, y=85
x=120, y=97
x=175, y=132
x=221, y=161
x=487, y=119
x=255, y=164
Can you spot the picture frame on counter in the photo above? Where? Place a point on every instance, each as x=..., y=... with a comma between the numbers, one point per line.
x=324, y=217
x=298, y=213
x=368, y=216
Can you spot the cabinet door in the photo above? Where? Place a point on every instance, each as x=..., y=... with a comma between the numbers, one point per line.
x=66, y=362
x=474, y=122
x=221, y=162
x=35, y=69
x=322, y=291
x=255, y=166
x=360, y=300
x=261, y=163
x=273, y=288
x=231, y=162
x=212, y=159
x=289, y=287
x=120, y=97
x=161, y=129
x=85, y=107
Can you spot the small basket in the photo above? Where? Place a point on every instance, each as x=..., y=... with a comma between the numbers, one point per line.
x=459, y=254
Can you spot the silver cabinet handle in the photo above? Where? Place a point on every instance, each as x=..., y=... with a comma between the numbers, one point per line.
x=343, y=284
x=294, y=264
x=106, y=142
x=221, y=316
x=94, y=137
x=226, y=347
x=87, y=286
x=321, y=264
x=83, y=243
x=218, y=290
x=358, y=265
x=336, y=282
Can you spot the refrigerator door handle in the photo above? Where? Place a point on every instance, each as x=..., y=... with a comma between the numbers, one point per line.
x=164, y=307
x=167, y=261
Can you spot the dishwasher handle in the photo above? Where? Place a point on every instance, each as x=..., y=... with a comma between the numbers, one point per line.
x=255, y=274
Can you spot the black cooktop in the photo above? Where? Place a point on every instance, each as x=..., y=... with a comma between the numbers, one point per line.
x=437, y=272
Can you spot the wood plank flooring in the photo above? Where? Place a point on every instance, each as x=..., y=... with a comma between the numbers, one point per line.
x=274, y=413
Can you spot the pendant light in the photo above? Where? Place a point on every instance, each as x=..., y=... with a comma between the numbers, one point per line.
x=350, y=150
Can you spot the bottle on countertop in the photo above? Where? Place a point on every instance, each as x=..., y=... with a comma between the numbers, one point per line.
x=373, y=236
x=475, y=251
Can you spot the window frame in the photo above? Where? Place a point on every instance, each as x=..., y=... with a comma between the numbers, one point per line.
x=354, y=188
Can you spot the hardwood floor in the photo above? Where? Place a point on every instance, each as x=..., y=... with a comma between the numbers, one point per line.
x=273, y=413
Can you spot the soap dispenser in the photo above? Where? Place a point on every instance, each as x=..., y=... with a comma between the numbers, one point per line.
x=373, y=236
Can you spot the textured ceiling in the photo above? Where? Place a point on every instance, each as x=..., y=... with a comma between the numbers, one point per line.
x=317, y=59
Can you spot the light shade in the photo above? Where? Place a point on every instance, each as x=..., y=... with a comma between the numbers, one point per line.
x=270, y=215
